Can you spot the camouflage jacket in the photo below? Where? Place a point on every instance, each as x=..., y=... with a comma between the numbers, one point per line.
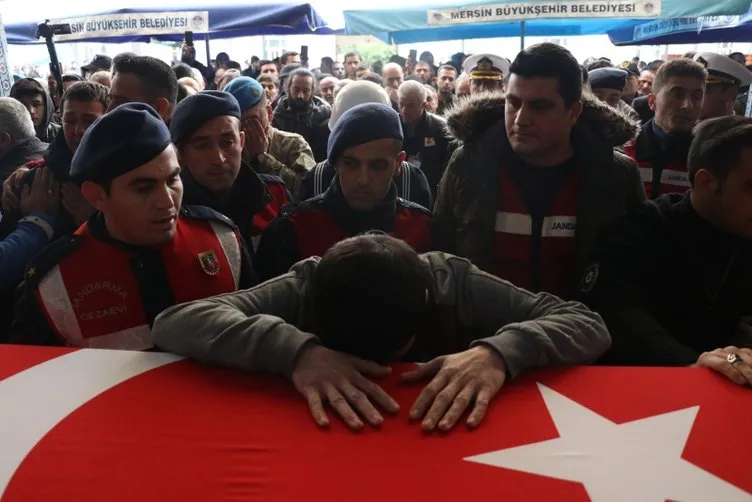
x=288, y=157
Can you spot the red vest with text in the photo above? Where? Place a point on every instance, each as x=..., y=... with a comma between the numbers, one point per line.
x=674, y=177
x=538, y=255
x=317, y=230
x=91, y=298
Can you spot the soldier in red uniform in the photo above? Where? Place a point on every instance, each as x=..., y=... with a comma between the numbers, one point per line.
x=365, y=147
x=663, y=144
x=206, y=130
x=140, y=253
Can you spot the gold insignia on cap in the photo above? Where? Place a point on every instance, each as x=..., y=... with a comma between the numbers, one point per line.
x=485, y=64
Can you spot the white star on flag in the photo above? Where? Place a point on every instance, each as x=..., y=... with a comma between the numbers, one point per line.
x=639, y=460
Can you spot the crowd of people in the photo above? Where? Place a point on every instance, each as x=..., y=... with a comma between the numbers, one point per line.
x=483, y=217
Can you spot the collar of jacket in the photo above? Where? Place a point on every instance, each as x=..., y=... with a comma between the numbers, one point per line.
x=31, y=149
x=98, y=230
x=249, y=195
x=58, y=158
x=316, y=106
x=653, y=142
x=356, y=222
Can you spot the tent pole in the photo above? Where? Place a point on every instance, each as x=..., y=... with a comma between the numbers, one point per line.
x=523, y=26
x=208, y=52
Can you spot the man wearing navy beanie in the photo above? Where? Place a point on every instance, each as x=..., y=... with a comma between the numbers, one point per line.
x=206, y=131
x=365, y=148
x=140, y=253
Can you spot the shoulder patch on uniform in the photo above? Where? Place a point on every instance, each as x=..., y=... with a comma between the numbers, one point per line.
x=50, y=256
x=206, y=213
x=412, y=205
x=590, y=277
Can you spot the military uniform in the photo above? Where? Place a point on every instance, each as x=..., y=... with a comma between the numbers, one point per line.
x=91, y=290
x=487, y=67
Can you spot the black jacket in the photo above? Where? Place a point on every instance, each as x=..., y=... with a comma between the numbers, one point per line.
x=313, y=124
x=429, y=148
x=411, y=182
x=279, y=248
x=20, y=155
x=48, y=129
x=642, y=108
x=660, y=151
x=30, y=326
x=250, y=195
x=668, y=284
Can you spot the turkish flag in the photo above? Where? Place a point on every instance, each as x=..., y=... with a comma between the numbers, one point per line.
x=183, y=431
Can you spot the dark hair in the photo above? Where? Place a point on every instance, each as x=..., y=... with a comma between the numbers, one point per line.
x=233, y=65
x=369, y=296
x=265, y=62
x=72, y=77
x=655, y=65
x=222, y=57
x=285, y=55
x=182, y=70
x=678, y=68
x=351, y=54
x=182, y=92
x=254, y=59
x=690, y=55
x=585, y=74
x=322, y=76
x=717, y=145
x=120, y=57
x=448, y=67
x=158, y=79
x=375, y=78
x=86, y=92
x=551, y=60
x=27, y=87
x=362, y=66
x=299, y=72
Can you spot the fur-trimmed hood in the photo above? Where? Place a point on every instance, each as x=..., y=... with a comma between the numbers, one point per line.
x=473, y=115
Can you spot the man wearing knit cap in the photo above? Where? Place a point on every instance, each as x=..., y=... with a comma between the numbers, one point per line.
x=267, y=149
x=140, y=253
x=205, y=128
x=410, y=180
x=608, y=84
x=365, y=148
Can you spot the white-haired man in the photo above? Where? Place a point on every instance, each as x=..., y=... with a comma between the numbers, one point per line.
x=18, y=140
x=426, y=142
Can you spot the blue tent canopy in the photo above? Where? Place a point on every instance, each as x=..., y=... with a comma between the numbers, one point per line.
x=692, y=30
x=411, y=25
x=227, y=19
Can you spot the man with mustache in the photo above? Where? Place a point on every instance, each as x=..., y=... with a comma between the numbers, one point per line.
x=662, y=146
x=140, y=253
x=207, y=133
x=299, y=111
x=365, y=149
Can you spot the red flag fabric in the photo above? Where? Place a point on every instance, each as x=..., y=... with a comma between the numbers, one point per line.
x=182, y=431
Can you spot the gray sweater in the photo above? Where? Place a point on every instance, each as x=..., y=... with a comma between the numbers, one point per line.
x=262, y=329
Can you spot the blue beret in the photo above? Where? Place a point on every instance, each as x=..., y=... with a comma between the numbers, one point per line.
x=247, y=91
x=363, y=124
x=118, y=142
x=198, y=109
x=607, y=78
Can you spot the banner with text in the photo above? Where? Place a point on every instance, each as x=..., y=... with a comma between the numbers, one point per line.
x=545, y=10
x=683, y=25
x=6, y=79
x=143, y=23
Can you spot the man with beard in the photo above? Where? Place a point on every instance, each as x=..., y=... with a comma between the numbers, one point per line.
x=82, y=104
x=445, y=80
x=662, y=146
x=365, y=149
x=206, y=130
x=139, y=254
x=40, y=106
x=725, y=79
x=536, y=177
x=426, y=142
x=326, y=88
x=338, y=70
x=267, y=149
x=300, y=112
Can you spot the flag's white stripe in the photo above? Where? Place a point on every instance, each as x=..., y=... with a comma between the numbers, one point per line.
x=34, y=401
